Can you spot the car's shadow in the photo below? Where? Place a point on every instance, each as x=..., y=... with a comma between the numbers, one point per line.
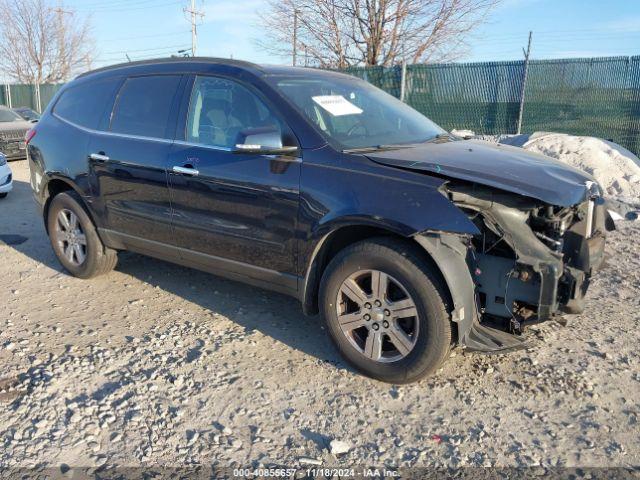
x=272, y=314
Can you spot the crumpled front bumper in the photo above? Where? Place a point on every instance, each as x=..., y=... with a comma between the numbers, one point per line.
x=531, y=284
x=584, y=256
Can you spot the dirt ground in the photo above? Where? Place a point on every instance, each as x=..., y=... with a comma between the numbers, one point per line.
x=155, y=364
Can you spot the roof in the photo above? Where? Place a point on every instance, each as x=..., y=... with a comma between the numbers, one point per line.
x=267, y=69
x=158, y=61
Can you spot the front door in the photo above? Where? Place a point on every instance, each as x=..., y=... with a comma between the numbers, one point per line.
x=233, y=211
x=129, y=161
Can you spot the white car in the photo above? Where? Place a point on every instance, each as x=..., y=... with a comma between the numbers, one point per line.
x=6, y=178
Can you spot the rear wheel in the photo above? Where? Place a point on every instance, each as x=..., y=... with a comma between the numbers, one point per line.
x=2, y=195
x=385, y=310
x=74, y=238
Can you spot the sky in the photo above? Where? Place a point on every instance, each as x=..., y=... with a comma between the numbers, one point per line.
x=230, y=28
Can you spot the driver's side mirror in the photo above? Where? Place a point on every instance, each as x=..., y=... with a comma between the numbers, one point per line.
x=264, y=141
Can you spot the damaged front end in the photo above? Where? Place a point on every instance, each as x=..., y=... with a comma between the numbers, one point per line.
x=530, y=262
x=538, y=236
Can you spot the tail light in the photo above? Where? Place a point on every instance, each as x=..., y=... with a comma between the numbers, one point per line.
x=29, y=135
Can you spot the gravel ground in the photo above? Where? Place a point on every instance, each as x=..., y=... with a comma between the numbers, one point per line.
x=155, y=364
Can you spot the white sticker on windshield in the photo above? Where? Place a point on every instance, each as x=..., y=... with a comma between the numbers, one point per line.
x=337, y=105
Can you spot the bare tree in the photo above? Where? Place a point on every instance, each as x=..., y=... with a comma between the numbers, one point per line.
x=40, y=43
x=342, y=33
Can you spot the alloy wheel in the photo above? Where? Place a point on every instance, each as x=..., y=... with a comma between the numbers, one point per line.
x=377, y=315
x=70, y=237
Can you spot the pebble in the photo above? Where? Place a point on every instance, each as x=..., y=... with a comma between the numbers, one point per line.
x=98, y=384
x=194, y=438
x=338, y=447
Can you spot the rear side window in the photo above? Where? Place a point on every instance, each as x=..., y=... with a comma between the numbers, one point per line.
x=144, y=104
x=86, y=104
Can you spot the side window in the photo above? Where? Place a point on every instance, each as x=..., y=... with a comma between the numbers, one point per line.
x=144, y=106
x=221, y=112
x=86, y=104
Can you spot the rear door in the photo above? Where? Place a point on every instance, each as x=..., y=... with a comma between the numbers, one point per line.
x=129, y=161
x=234, y=211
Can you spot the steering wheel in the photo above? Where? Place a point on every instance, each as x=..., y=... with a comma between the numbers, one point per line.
x=355, y=126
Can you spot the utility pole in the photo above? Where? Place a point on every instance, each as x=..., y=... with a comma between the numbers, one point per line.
x=295, y=36
x=524, y=82
x=194, y=18
x=60, y=11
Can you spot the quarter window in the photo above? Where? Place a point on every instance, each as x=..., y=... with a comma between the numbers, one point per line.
x=222, y=112
x=86, y=104
x=144, y=106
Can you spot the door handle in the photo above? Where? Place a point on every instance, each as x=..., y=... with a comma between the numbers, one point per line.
x=186, y=171
x=99, y=157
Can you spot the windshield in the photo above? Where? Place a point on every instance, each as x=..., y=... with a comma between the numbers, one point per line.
x=27, y=113
x=8, y=116
x=354, y=114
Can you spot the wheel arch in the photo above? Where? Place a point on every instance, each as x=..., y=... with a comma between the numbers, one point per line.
x=55, y=186
x=343, y=236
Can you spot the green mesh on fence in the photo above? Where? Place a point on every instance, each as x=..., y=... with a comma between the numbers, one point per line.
x=598, y=97
x=388, y=79
x=594, y=96
x=477, y=96
x=24, y=95
x=47, y=92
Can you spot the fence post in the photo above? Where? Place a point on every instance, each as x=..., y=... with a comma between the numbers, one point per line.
x=403, y=80
x=38, y=101
x=524, y=84
x=7, y=89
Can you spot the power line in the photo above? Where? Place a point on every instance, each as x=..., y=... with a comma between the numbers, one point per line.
x=125, y=57
x=115, y=10
x=117, y=4
x=166, y=47
x=558, y=36
x=145, y=36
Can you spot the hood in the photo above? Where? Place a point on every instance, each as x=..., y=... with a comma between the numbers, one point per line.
x=13, y=126
x=507, y=168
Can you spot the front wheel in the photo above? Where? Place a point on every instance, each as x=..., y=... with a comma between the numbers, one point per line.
x=74, y=238
x=386, y=311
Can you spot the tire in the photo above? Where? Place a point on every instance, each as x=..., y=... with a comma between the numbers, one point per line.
x=3, y=195
x=91, y=258
x=426, y=337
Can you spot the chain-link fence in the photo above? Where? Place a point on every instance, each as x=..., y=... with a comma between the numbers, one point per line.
x=593, y=96
x=30, y=96
x=590, y=96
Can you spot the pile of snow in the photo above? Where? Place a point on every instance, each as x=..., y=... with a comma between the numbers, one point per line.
x=463, y=133
x=616, y=169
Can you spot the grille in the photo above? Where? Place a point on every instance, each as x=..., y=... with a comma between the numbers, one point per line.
x=13, y=134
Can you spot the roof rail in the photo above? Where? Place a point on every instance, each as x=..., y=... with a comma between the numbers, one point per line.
x=156, y=61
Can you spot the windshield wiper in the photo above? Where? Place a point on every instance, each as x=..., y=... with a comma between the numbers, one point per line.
x=442, y=136
x=377, y=148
